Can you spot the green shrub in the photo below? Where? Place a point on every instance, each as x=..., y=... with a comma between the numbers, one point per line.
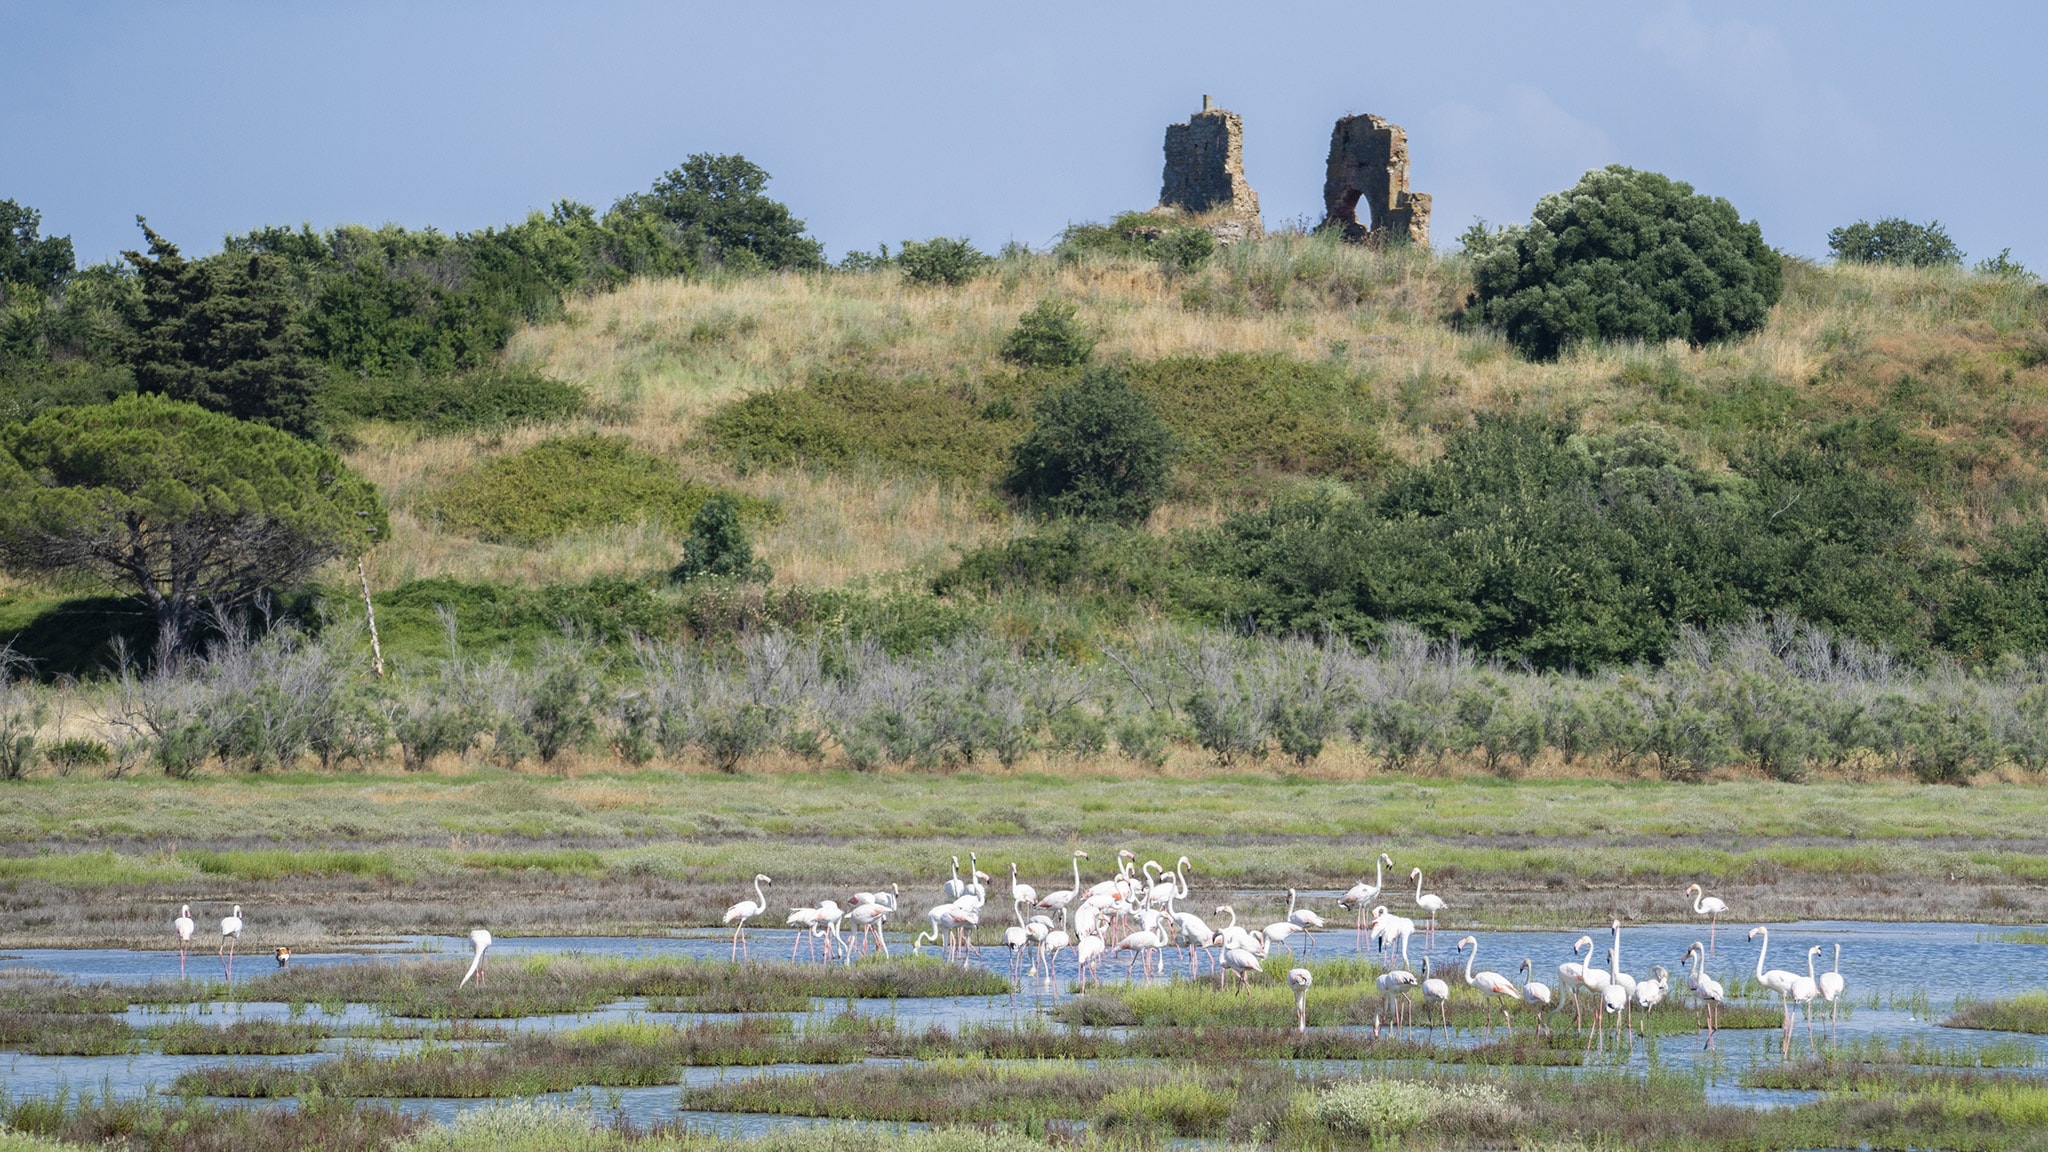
x=74, y=752
x=2004, y=265
x=1895, y=241
x=1627, y=255
x=718, y=546
x=1236, y=416
x=571, y=484
x=1184, y=1106
x=1097, y=451
x=483, y=399
x=1186, y=249
x=942, y=260
x=846, y=418
x=1116, y=562
x=1048, y=336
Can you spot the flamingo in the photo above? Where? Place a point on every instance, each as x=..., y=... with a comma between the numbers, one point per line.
x=184, y=927
x=1280, y=930
x=1595, y=981
x=1393, y=985
x=1049, y=951
x=1160, y=891
x=1088, y=956
x=744, y=911
x=1613, y=1002
x=1387, y=928
x=1231, y=936
x=1536, y=995
x=1436, y=990
x=1805, y=991
x=1709, y=906
x=1571, y=976
x=956, y=887
x=1429, y=902
x=1489, y=983
x=1241, y=961
x=1361, y=896
x=1299, y=979
x=1059, y=900
x=867, y=918
x=480, y=941
x=1021, y=893
x=805, y=920
x=1831, y=987
x=1302, y=918
x=1650, y=993
x=1616, y=976
x=1145, y=942
x=1016, y=937
x=1777, y=980
x=230, y=935
x=1706, y=987
x=1199, y=936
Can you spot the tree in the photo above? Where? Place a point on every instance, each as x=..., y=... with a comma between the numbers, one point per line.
x=1895, y=241
x=718, y=546
x=1097, y=451
x=717, y=205
x=221, y=334
x=29, y=261
x=189, y=509
x=1048, y=336
x=1627, y=255
x=942, y=260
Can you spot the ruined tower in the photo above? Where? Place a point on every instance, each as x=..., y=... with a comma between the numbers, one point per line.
x=1369, y=163
x=1205, y=167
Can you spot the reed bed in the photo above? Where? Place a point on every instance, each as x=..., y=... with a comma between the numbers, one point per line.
x=2024, y=1013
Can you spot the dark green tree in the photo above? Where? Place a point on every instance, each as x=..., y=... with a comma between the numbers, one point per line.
x=718, y=205
x=1627, y=255
x=1097, y=451
x=29, y=261
x=718, y=546
x=1049, y=336
x=942, y=260
x=221, y=334
x=188, y=509
x=1893, y=240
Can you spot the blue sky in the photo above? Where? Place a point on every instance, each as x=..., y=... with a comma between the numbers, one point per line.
x=881, y=122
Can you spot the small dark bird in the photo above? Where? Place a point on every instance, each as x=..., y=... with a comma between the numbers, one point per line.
x=284, y=957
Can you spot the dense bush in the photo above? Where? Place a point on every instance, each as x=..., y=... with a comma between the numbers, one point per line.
x=1627, y=255
x=571, y=484
x=942, y=260
x=1535, y=543
x=846, y=418
x=1049, y=336
x=484, y=399
x=718, y=546
x=1895, y=241
x=717, y=209
x=1096, y=450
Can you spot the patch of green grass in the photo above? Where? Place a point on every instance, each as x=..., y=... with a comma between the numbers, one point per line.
x=95, y=869
x=914, y=424
x=44, y=1033
x=277, y=863
x=241, y=1038
x=156, y=1124
x=571, y=484
x=560, y=861
x=1239, y=416
x=2027, y=1012
x=442, y=404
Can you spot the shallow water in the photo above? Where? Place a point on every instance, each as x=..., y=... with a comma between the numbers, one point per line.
x=1900, y=965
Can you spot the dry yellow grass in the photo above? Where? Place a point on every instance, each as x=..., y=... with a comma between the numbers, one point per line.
x=658, y=355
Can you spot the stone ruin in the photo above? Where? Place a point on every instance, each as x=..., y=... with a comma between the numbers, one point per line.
x=1369, y=163
x=1205, y=172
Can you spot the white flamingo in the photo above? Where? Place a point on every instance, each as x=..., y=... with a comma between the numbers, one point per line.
x=480, y=941
x=1650, y=993
x=1088, y=957
x=1489, y=983
x=1281, y=932
x=1537, y=996
x=1831, y=988
x=1230, y=935
x=1571, y=976
x=1241, y=962
x=1021, y=893
x=1299, y=979
x=1707, y=988
x=744, y=911
x=1049, y=951
x=1393, y=985
x=1436, y=990
x=1059, y=900
x=1709, y=906
x=184, y=927
x=1016, y=937
x=1303, y=918
x=1361, y=895
x=956, y=887
x=230, y=935
x=1616, y=976
x=1142, y=944
x=1198, y=935
x=1388, y=928
x=868, y=918
x=1429, y=902
x=1777, y=980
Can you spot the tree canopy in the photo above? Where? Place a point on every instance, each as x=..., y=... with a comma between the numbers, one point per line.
x=190, y=510
x=30, y=261
x=222, y=334
x=1097, y=451
x=718, y=205
x=1894, y=240
x=1627, y=255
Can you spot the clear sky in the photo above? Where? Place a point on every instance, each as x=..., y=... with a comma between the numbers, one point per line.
x=886, y=121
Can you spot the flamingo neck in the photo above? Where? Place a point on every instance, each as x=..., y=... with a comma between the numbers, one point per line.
x=1418, y=885
x=1470, y=960
x=1761, y=949
x=1614, y=957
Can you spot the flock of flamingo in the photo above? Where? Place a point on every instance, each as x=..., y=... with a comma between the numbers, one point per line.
x=1135, y=913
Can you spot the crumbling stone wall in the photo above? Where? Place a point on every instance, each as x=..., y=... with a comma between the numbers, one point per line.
x=1369, y=164
x=1205, y=167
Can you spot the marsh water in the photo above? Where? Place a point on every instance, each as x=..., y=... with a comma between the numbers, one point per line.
x=1902, y=979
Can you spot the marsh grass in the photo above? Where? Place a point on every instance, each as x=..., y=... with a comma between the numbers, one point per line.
x=157, y=1124
x=2024, y=1013
x=45, y=1033
x=530, y=1126
x=241, y=1038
